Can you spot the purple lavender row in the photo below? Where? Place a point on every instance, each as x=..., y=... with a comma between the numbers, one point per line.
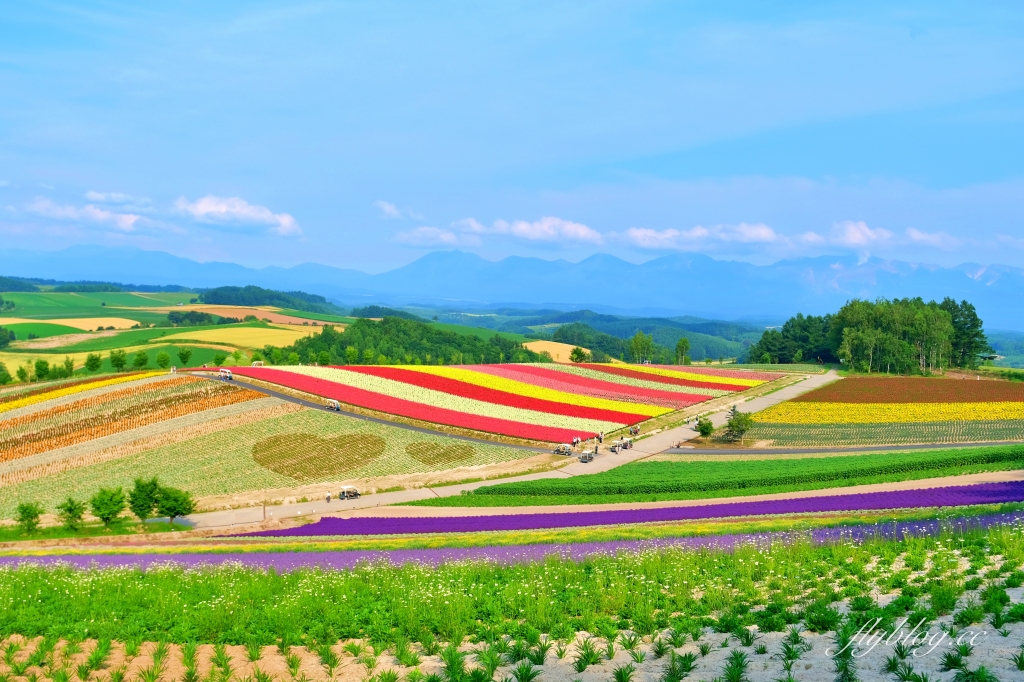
x=954, y=496
x=289, y=561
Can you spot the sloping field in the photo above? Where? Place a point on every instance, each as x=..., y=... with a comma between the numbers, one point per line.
x=897, y=410
x=534, y=402
x=559, y=351
x=83, y=323
x=239, y=312
x=291, y=447
x=133, y=406
x=247, y=337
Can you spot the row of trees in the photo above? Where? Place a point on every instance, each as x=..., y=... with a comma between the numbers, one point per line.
x=146, y=499
x=902, y=336
x=399, y=341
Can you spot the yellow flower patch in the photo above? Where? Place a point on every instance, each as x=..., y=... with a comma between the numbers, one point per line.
x=891, y=413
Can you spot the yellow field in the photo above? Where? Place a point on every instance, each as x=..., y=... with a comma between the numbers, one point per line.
x=891, y=413
x=246, y=337
x=559, y=351
x=84, y=323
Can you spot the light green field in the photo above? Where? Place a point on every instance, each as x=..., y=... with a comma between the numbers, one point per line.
x=40, y=329
x=481, y=332
x=48, y=305
x=134, y=337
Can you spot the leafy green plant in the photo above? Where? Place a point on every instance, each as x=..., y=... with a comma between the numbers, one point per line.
x=586, y=655
x=538, y=653
x=525, y=672
x=736, y=667
x=453, y=663
x=659, y=647
x=704, y=648
x=27, y=517
x=623, y=673
x=629, y=641
x=637, y=655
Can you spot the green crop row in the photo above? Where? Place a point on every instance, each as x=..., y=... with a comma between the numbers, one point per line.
x=677, y=477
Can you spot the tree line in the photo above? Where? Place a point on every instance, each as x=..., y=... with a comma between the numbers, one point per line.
x=898, y=336
x=394, y=341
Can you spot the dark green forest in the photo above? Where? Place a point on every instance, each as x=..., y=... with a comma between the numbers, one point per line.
x=900, y=336
x=394, y=341
x=253, y=295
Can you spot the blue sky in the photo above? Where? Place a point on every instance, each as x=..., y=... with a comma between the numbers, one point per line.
x=365, y=134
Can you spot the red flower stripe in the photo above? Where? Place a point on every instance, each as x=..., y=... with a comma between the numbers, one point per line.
x=491, y=395
x=661, y=379
x=572, y=383
x=409, y=409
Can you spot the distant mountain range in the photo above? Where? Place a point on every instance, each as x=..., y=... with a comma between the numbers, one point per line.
x=678, y=284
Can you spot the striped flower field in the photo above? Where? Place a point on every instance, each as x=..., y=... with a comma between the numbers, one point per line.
x=549, y=402
x=897, y=410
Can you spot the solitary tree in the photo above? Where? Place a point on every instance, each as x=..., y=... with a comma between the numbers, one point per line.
x=107, y=504
x=93, y=361
x=27, y=517
x=237, y=355
x=173, y=503
x=22, y=374
x=163, y=359
x=219, y=359
x=704, y=427
x=323, y=358
x=42, y=368
x=70, y=512
x=577, y=354
x=738, y=425
x=141, y=360
x=293, y=359
x=118, y=359
x=5, y=376
x=184, y=355
x=69, y=365
x=351, y=355
x=142, y=497
x=682, y=350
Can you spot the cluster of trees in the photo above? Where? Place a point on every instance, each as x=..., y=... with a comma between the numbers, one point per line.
x=639, y=348
x=88, y=288
x=16, y=284
x=146, y=499
x=380, y=311
x=902, y=336
x=6, y=305
x=399, y=341
x=253, y=295
x=196, y=318
x=6, y=336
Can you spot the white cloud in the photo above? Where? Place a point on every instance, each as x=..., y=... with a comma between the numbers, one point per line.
x=941, y=240
x=858, y=234
x=699, y=236
x=233, y=210
x=89, y=213
x=433, y=236
x=389, y=210
x=547, y=229
x=108, y=197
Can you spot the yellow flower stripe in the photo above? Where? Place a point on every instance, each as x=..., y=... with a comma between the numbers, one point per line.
x=888, y=413
x=71, y=390
x=531, y=391
x=691, y=376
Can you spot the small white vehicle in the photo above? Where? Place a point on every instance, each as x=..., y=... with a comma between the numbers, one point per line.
x=226, y=375
x=586, y=457
x=563, y=449
x=333, y=405
x=348, y=492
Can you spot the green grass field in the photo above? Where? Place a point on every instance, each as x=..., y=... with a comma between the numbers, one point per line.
x=481, y=332
x=322, y=317
x=686, y=480
x=45, y=305
x=134, y=337
x=41, y=330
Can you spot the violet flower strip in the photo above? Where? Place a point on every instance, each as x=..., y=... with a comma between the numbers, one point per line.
x=514, y=554
x=956, y=496
x=571, y=383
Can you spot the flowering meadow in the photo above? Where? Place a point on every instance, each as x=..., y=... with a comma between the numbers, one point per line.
x=550, y=403
x=31, y=397
x=675, y=594
x=896, y=410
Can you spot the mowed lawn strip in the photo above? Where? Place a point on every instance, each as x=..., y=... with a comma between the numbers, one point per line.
x=652, y=481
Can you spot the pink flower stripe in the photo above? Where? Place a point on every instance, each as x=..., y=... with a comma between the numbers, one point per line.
x=406, y=408
x=727, y=373
x=491, y=395
x=662, y=379
x=563, y=381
